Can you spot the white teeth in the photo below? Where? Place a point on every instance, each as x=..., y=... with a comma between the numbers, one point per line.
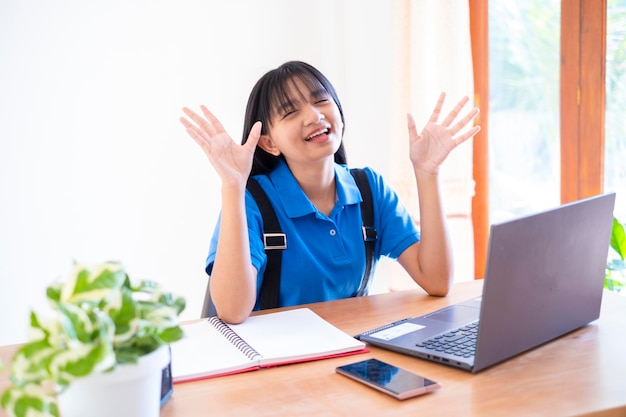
x=321, y=132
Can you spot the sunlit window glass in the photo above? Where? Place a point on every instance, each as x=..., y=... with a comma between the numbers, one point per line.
x=524, y=140
x=615, y=123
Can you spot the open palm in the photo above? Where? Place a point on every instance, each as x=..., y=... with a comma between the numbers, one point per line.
x=429, y=149
x=232, y=161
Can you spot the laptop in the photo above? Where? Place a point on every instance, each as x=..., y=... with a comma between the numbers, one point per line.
x=544, y=277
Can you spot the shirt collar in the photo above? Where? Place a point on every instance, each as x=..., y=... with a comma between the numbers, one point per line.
x=296, y=203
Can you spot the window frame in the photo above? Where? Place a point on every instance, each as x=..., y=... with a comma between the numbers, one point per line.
x=582, y=109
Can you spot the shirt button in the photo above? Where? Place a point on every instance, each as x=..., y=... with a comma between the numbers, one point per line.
x=333, y=232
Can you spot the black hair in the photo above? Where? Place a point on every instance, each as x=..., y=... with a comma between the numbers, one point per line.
x=272, y=91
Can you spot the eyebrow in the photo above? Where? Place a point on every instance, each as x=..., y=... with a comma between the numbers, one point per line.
x=320, y=92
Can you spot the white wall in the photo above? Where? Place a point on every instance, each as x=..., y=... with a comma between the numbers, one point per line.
x=94, y=165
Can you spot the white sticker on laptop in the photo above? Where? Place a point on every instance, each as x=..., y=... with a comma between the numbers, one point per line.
x=397, y=331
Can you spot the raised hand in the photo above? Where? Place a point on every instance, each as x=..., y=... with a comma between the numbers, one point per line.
x=232, y=161
x=430, y=148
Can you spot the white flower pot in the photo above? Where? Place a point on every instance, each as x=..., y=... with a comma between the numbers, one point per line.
x=128, y=391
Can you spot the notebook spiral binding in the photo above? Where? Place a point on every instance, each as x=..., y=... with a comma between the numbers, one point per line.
x=378, y=329
x=234, y=338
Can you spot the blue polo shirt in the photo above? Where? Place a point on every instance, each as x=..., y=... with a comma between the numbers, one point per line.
x=325, y=255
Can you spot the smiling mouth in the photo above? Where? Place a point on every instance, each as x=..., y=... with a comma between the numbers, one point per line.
x=318, y=133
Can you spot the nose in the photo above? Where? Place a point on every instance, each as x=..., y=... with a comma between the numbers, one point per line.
x=313, y=115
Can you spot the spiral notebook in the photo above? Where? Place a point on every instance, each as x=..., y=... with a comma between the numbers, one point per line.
x=214, y=348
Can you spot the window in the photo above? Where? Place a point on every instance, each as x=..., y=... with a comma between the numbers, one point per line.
x=615, y=127
x=524, y=138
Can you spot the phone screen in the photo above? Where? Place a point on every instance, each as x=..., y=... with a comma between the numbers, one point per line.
x=395, y=381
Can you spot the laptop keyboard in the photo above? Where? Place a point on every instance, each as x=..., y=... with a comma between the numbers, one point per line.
x=459, y=342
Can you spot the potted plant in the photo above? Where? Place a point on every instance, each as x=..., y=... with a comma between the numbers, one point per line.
x=102, y=331
x=616, y=267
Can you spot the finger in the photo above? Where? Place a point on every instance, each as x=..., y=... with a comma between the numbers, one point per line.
x=185, y=123
x=465, y=136
x=455, y=112
x=215, y=123
x=195, y=133
x=188, y=126
x=199, y=139
x=464, y=121
x=412, y=126
x=203, y=123
x=254, y=135
x=190, y=113
x=193, y=115
x=435, y=115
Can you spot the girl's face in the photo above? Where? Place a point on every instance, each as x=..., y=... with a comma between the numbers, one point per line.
x=306, y=127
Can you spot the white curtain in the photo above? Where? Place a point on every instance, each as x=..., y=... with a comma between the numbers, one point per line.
x=432, y=53
x=95, y=166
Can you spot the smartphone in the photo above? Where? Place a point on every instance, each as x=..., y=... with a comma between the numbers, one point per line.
x=394, y=381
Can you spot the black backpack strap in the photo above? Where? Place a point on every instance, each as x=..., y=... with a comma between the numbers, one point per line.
x=369, y=231
x=274, y=241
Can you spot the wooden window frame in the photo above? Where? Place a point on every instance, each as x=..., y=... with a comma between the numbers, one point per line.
x=583, y=70
x=582, y=108
x=479, y=32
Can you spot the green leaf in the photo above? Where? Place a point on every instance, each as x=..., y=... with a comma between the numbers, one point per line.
x=53, y=292
x=82, y=281
x=96, y=284
x=107, y=279
x=27, y=401
x=618, y=239
x=126, y=313
x=24, y=404
x=171, y=335
x=6, y=397
x=75, y=322
x=31, y=349
x=100, y=319
x=170, y=300
x=613, y=284
x=83, y=366
x=127, y=355
x=35, y=324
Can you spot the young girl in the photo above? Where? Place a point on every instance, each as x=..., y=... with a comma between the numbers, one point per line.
x=292, y=145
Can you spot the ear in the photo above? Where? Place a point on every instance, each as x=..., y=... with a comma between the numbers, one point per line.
x=267, y=144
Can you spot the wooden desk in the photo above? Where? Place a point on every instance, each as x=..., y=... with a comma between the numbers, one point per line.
x=582, y=373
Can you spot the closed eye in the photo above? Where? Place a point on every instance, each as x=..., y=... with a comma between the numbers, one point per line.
x=288, y=113
x=319, y=96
